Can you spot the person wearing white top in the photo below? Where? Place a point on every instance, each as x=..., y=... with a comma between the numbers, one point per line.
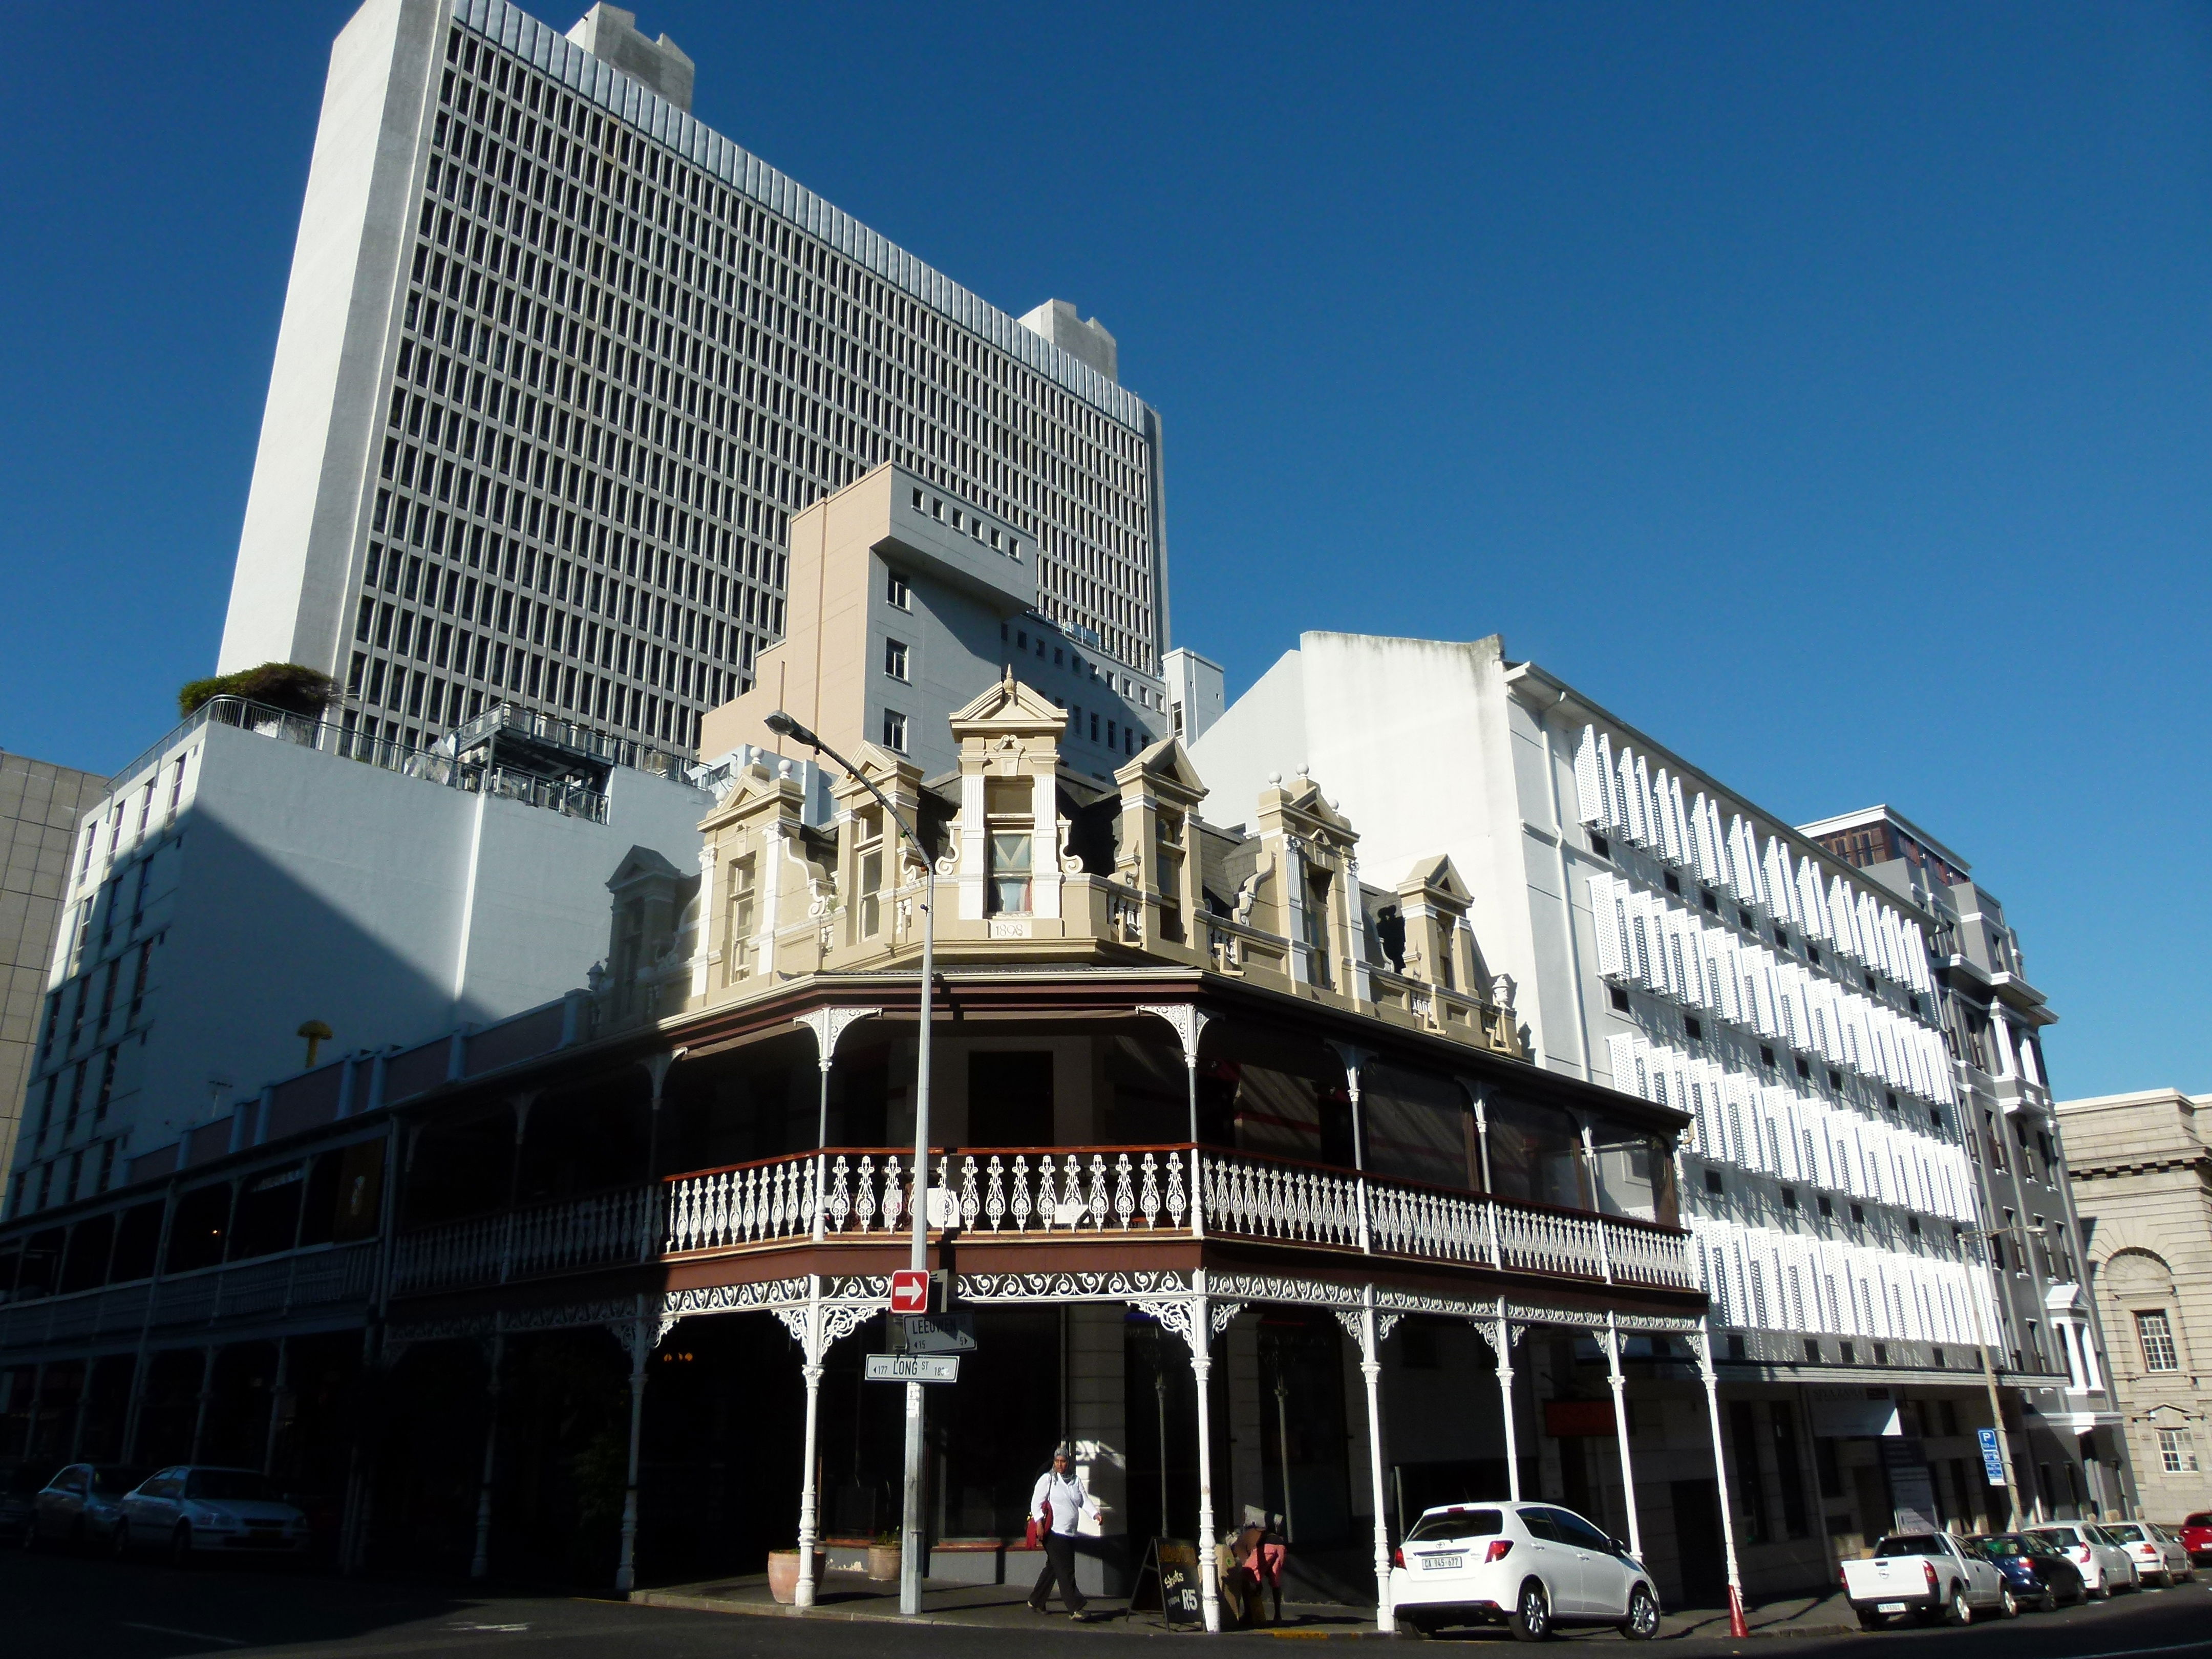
x=1058, y=1506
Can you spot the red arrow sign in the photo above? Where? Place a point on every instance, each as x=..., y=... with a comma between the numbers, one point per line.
x=910, y=1290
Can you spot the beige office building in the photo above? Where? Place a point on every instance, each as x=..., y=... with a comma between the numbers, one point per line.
x=40, y=804
x=2142, y=1165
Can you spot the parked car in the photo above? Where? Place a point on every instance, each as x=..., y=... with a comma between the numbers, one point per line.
x=194, y=1511
x=79, y=1505
x=2036, y=1571
x=2159, y=1558
x=19, y=1492
x=2197, y=1538
x=2104, y=1566
x=1533, y=1566
x=1930, y=1574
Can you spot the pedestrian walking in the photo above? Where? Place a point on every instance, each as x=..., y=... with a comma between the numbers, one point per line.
x=1057, y=1507
x=1261, y=1549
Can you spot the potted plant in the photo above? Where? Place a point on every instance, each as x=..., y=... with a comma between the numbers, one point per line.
x=884, y=1556
x=783, y=1574
x=282, y=685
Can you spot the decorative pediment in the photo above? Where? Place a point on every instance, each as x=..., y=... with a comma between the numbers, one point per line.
x=1166, y=766
x=744, y=789
x=1437, y=877
x=640, y=864
x=1012, y=708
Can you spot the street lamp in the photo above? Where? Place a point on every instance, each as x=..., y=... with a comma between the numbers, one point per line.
x=910, y=1510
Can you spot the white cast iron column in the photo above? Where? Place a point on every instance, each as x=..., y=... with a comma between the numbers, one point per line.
x=1736, y=1625
x=1612, y=1341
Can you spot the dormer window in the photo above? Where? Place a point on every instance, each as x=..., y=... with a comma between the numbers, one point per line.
x=1314, y=921
x=1009, y=846
x=868, y=829
x=1010, y=871
x=734, y=953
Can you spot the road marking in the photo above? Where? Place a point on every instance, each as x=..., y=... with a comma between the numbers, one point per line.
x=490, y=1627
x=189, y=1635
x=2128, y=1653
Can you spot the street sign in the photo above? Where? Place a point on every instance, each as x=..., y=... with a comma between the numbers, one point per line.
x=1993, y=1459
x=910, y=1290
x=934, y=1333
x=913, y=1368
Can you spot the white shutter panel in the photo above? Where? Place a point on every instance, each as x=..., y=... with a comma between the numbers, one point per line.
x=1781, y=890
x=1620, y=1059
x=1605, y=923
x=1705, y=843
x=1916, y=950
x=1766, y=992
x=1872, y=948
x=1636, y=783
x=1590, y=803
x=1812, y=904
x=1678, y=825
x=1843, y=919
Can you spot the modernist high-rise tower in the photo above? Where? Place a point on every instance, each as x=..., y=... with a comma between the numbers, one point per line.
x=558, y=365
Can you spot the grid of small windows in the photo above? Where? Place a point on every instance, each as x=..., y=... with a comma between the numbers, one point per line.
x=2154, y=1333
x=617, y=380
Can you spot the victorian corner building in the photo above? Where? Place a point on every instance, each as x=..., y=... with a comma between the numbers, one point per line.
x=1246, y=1178
x=1409, y=1084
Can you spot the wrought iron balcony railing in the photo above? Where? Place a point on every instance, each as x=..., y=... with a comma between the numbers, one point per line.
x=1066, y=1194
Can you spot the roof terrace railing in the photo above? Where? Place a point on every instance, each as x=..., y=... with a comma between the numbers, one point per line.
x=430, y=765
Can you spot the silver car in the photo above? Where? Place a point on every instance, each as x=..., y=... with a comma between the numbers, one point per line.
x=190, y=1511
x=2159, y=1558
x=79, y=1506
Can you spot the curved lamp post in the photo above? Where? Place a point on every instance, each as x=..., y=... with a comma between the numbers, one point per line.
x=910, y=1513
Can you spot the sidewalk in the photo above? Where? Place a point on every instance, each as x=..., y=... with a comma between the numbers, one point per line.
x=847, y=1595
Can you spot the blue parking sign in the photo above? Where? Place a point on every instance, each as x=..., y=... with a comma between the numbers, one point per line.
x=1993, y=1459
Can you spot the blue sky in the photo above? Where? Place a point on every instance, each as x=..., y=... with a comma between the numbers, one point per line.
x=1824, y=389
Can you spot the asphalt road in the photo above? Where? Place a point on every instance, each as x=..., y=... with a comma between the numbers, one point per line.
x=76, y=1608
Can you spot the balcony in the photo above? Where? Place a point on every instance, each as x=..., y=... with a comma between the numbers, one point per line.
x=1112, y=1196
x=319, y=1277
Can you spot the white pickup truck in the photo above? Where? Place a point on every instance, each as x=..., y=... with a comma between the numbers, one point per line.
x=1930, y=1574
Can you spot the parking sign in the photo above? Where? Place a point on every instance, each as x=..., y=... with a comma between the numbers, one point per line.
x=1993, y=1459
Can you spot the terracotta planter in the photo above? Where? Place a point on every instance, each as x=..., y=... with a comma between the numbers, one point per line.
x=783, y=1574
x=883, y=1561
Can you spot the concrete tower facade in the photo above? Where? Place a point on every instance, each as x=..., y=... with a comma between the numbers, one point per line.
x=558, y=364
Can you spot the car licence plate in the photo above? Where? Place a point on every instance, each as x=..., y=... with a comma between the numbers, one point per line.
x=1431, y=1563
x=1889, y=1607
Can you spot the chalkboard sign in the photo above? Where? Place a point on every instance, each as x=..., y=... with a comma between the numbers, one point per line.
x=1168, y=1582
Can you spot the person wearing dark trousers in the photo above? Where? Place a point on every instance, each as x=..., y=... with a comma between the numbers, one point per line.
x=1058, y=1507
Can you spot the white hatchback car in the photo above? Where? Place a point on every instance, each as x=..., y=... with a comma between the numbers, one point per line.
x=1533, y=1566
x=190, y=1511
x=2159, y=1558
x=2105, y=1565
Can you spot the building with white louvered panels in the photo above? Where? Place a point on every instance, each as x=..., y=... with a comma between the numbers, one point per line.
x=558, y=364
x=1666, y=936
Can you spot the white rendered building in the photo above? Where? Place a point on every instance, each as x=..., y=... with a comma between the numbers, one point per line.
x=1994, y=1018
x=254, y=872
x=558, y=364
x=1666, y=936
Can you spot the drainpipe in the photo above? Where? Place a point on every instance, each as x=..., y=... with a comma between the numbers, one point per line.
x=1566, y=893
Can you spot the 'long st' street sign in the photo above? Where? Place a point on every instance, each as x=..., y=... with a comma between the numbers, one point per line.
x=913, y=1368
